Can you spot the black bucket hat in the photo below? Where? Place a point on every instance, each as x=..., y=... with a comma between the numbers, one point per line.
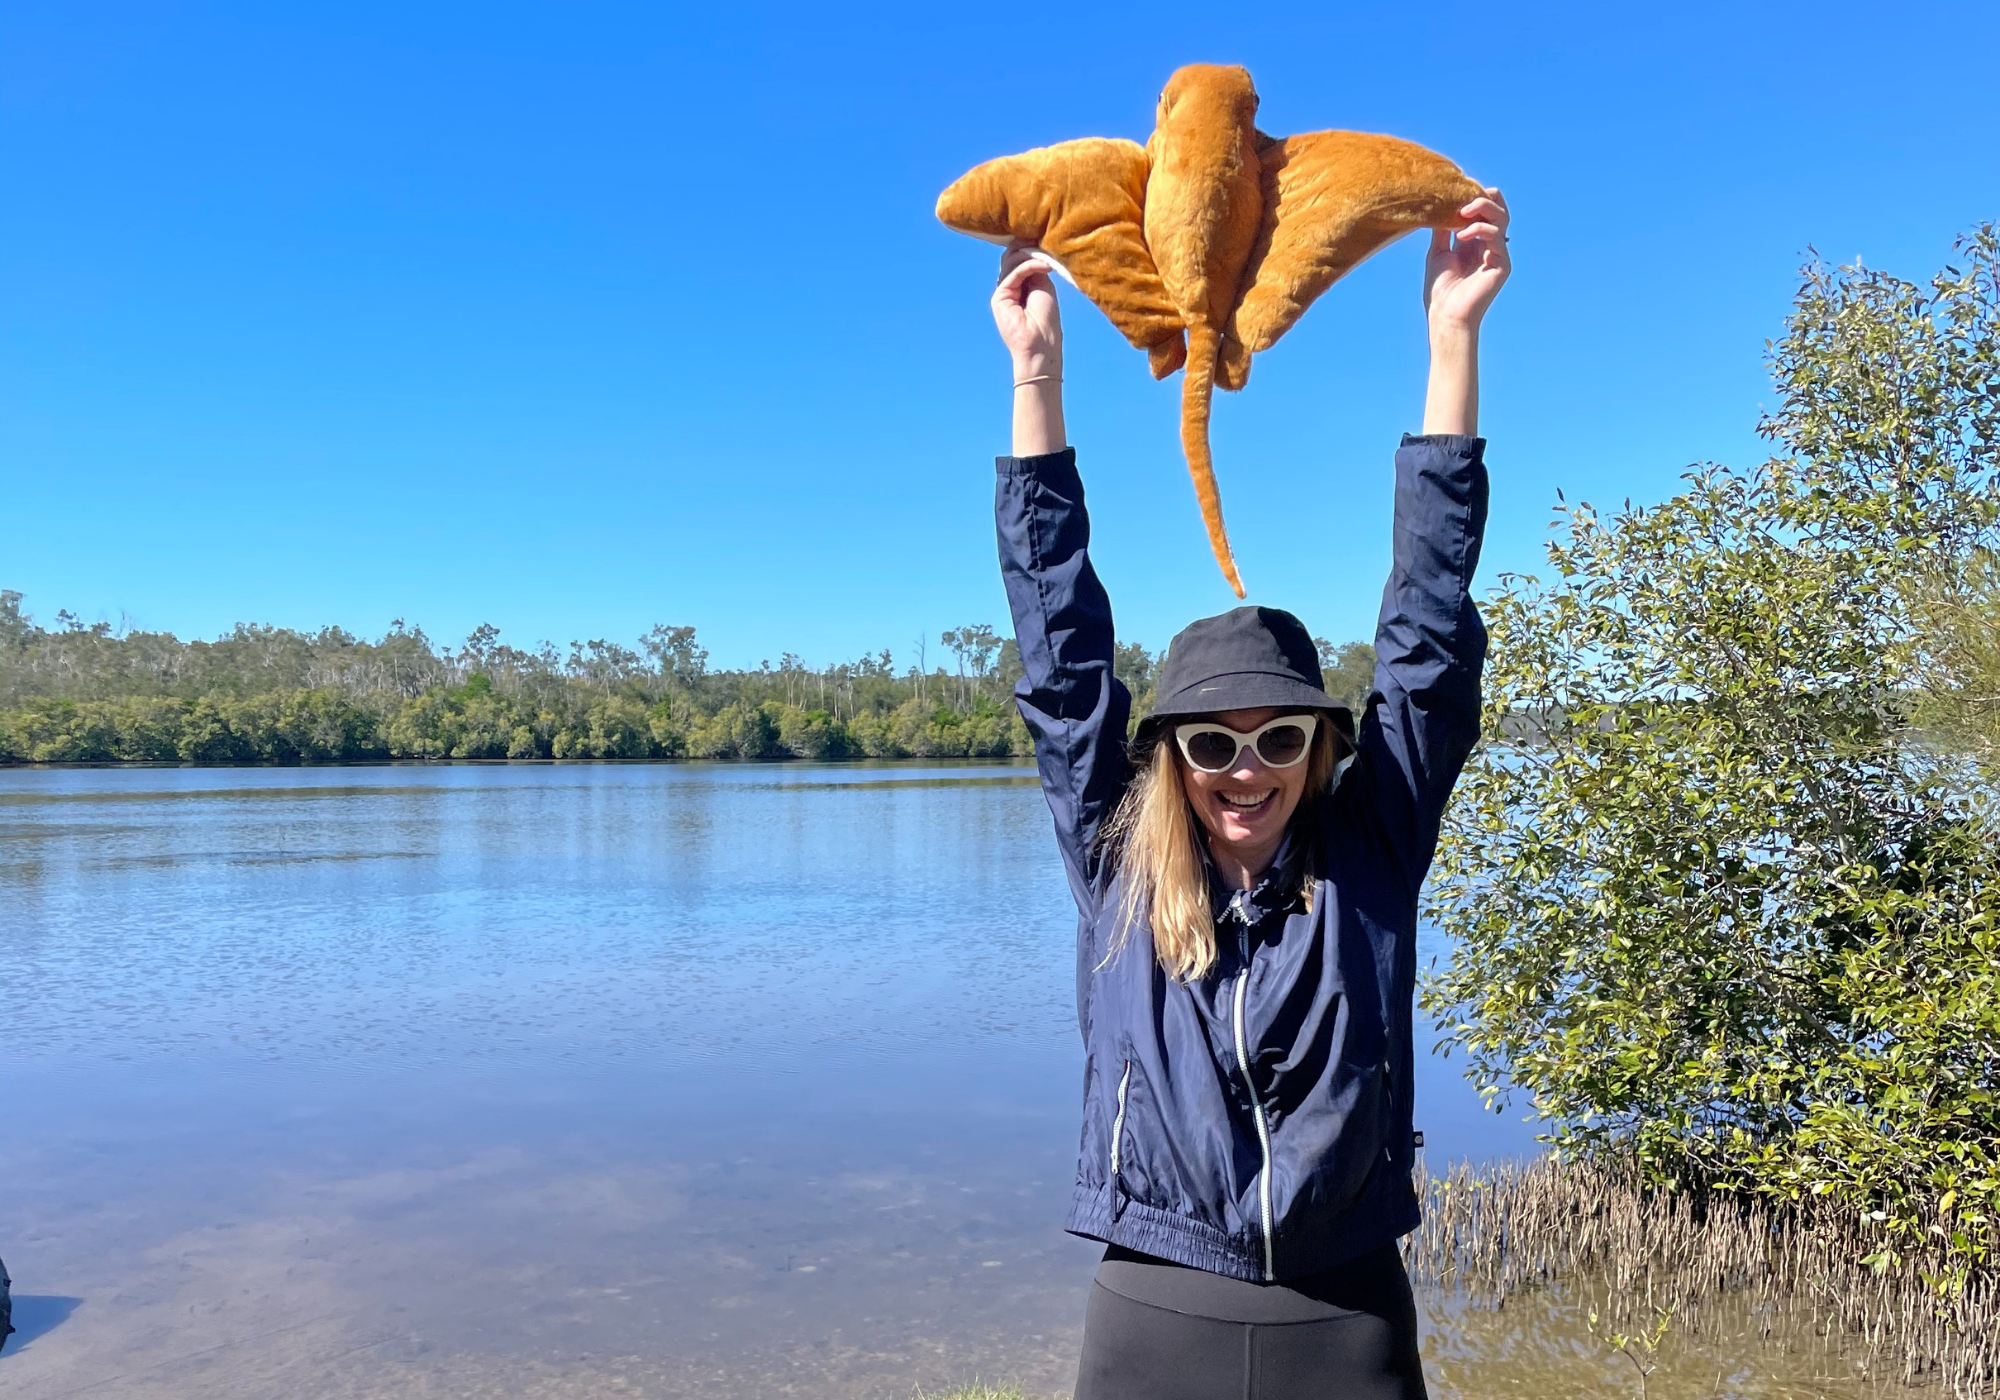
x=1245, y=659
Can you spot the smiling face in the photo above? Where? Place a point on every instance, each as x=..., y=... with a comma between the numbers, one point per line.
x=1246, y=808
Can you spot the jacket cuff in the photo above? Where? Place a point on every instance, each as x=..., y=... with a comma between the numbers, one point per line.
x=1059, y=465
x=1456, y=444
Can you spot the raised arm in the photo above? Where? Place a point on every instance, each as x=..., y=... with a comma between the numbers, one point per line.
x=1074, y=707
x=1030, y=322
x=1462, y=275
x=1430, y=644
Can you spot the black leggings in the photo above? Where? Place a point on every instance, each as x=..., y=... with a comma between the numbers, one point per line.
x=1159, y=1331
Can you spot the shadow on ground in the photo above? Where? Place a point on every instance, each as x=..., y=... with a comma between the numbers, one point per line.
x=34, y=1315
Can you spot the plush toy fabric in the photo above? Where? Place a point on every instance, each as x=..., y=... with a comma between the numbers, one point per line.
x=1083, y=203
x=1208, y=243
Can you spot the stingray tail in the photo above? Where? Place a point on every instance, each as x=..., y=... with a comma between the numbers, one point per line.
x=1197, y=394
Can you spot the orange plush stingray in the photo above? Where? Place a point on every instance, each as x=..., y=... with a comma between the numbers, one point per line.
x=1204, y=245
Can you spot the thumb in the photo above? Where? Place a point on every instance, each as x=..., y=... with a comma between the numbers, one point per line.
x=1440, y=240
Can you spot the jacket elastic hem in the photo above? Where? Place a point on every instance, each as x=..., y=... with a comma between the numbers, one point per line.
x=1387, y=1212
x=1463, y=444
x=1061, y=461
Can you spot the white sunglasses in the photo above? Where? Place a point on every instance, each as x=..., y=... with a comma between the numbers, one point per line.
x=1213, y=748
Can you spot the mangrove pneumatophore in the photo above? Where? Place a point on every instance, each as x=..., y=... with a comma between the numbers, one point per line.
x=1207, y=243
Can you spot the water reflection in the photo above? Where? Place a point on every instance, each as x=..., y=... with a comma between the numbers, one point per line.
x=721, y=1080
x=1546, y=1345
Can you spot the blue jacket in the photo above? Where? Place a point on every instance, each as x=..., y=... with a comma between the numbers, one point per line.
x=1256, y=1122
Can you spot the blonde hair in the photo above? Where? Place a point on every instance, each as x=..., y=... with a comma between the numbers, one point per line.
x=1155, y=839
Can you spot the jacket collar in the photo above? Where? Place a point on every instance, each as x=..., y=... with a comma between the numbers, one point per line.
x=1275, y=892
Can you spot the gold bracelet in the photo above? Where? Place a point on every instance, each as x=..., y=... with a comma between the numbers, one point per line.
x=1036, y=379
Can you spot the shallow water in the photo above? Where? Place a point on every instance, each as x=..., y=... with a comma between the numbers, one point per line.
x=675, y=1080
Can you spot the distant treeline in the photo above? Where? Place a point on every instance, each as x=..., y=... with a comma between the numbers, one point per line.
x=79, y=693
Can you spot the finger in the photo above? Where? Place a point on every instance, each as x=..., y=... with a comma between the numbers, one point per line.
x=1481, y=233
x=1484, y=210
x=1020, y=253
x=1440, y=240
x=1016, y=259
x=1016, y=284
x=1035, y=284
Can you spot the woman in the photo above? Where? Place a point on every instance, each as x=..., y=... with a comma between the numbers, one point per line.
x=1246, y=873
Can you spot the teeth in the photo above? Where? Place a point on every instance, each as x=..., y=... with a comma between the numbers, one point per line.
x=1235, y=800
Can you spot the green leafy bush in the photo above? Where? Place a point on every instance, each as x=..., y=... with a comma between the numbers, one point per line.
x=1714, y=902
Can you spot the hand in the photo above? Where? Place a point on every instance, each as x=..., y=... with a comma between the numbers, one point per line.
x=1024, y=308
x=1463, y=274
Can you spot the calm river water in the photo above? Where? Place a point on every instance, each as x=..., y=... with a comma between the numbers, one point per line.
x=678, y=1080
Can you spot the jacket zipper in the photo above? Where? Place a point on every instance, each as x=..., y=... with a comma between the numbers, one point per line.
x=1118, y=1123
x=1256, y=1106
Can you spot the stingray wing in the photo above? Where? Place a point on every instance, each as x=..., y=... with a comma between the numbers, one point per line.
x=1332, y=198
x=1083, y=203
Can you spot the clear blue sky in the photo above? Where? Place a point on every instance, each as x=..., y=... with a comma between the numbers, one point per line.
x=575, y=318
